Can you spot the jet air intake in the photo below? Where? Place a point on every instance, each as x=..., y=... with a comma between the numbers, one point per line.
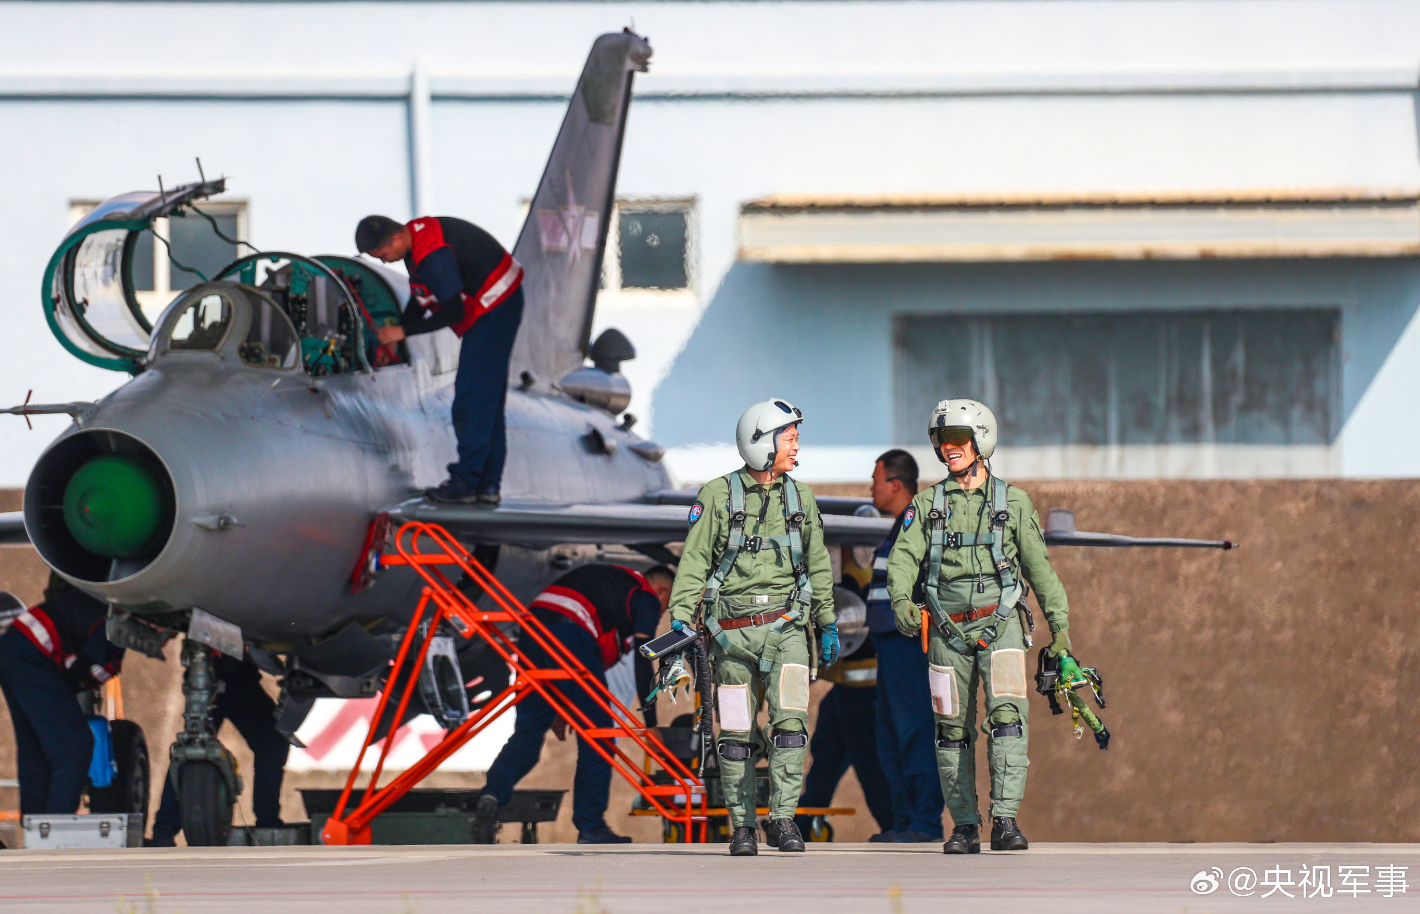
x=99, y=506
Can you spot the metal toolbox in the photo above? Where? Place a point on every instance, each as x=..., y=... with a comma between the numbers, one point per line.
x=102, y=830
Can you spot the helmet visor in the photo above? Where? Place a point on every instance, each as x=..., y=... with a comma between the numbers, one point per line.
x=956, y=436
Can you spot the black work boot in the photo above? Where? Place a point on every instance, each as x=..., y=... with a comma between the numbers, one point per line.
x=744, y=842
x=1006, y=835
x=964, y=839
x=789, y=838
x=485, y=820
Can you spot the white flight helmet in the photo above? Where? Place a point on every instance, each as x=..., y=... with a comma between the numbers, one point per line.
x=964, y=414
x=757, y=435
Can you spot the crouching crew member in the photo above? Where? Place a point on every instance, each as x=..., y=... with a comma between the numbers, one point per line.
x=252, y=711
x=596, y=613
x=755, y=563
x=975, y=536
x=459, y=277
x=48, y=655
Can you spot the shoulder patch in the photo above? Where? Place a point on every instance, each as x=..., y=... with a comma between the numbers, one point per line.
x=909, y=516
x=696, y=510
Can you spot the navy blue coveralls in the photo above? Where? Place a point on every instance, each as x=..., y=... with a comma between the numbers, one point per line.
x=245, y=703
x=49, y=654
x=907, y=735
x=845, y=734
x=461, y=277
x=593, y=611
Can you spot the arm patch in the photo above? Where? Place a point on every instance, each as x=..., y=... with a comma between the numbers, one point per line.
x=696, y=510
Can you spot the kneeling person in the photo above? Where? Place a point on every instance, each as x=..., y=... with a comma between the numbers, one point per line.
x=755, y=562
x=976, y=535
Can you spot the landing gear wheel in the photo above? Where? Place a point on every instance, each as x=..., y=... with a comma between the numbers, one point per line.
x=529, y=832
x=129, y=791
x=206, y=805
x=671, y=832
x=819, y=829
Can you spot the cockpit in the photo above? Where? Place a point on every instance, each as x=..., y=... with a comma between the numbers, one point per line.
x=272, y=310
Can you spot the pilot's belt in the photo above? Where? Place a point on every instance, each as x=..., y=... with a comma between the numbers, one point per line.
x=756, y=619
x=971, y=615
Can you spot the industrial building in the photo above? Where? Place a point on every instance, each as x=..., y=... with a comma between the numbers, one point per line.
x=1163, y=238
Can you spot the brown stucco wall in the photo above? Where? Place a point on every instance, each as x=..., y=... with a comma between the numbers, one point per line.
x=1256, y=695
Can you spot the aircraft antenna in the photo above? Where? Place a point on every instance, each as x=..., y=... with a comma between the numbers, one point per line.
x=200, y=176
x=162, y=195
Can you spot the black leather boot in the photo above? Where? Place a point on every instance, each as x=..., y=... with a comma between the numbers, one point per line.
x=485, y=820
x=1006, y=835
x=744, y=842
x=964, y=839
x=789, y=837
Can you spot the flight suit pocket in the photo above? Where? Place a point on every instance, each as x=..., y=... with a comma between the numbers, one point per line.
x=1008, y=673
x=794, y=687
x=942, y=681
x=734, y=708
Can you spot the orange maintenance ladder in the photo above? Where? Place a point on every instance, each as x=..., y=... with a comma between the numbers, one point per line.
x=430, y=549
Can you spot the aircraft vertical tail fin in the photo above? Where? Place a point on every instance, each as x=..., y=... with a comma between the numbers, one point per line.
x=563, y=240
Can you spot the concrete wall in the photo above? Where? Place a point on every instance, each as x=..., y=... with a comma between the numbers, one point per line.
x=771, y=329
x=1257, y=695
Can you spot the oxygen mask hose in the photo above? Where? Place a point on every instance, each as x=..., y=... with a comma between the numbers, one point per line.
x=1059, y=678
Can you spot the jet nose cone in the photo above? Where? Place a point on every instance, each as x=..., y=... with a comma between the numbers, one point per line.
x=114, y=506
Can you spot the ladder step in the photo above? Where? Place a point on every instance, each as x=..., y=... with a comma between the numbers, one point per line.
x=549, y=674
x=670, y=790
x=610, y=732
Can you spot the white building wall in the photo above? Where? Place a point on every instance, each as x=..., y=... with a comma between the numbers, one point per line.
x=307, y=106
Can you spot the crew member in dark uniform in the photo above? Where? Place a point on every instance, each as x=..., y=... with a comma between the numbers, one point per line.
x=597, y=612
x=49, y=654
x=907, y=732
x=462, y=278
x=846, y=734
x=245, y=703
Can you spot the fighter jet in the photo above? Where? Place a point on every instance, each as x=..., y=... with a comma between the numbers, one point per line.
x=239, y=488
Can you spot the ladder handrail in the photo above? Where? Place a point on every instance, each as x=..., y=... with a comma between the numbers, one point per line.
x=450, y=604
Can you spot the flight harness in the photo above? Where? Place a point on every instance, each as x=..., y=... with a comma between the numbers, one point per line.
x=1011, y=588
x=791, y=541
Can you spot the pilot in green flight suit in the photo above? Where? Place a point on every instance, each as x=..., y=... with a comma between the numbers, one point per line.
x=969, y=539
x=755, y=564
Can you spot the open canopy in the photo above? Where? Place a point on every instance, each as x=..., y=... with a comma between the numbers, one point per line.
x=89, y=295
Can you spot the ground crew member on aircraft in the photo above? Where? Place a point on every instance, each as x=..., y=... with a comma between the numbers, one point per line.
x=595, y=611
x=251, y=710
x=906, y=737
x=462, y=278
x=970, y=539
x=49, y=654
x=756, y=569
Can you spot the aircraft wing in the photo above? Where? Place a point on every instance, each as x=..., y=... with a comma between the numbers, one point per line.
x=12, y=528
x=539, y=526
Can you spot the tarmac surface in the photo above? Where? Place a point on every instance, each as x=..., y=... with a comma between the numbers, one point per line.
x=859, y=878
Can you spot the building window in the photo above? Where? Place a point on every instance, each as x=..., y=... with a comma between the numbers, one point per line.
x=193, y=246
x=1260, y=377
x=650, y=248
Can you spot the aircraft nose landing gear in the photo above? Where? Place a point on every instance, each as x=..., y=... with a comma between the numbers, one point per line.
x=203, y=771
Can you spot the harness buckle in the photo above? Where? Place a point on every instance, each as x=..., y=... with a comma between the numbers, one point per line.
x=987, y=637
x=753, y=543
x=952, y=540
x=797, y=518
x=1000, y=517
x=738, y=518
x=1003, y=566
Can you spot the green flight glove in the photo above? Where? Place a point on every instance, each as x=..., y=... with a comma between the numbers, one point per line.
x=1061, y=644
x=908, y=618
